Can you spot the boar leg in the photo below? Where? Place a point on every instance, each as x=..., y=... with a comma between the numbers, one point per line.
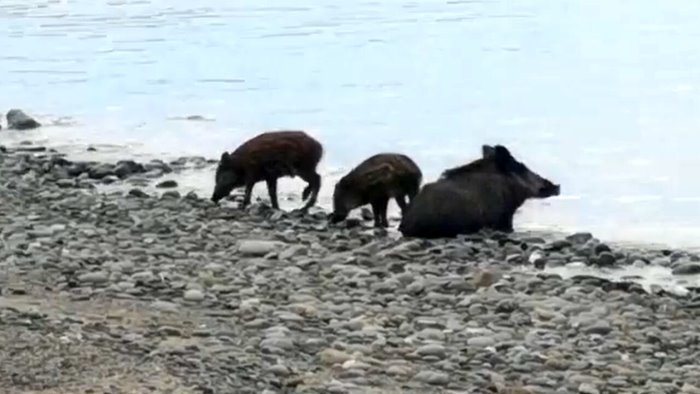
x=379, y=206
x=248, y=192
x=412, y=190
x=401, y=200
x=314, y=181
x=505, y=224
x=272, y=190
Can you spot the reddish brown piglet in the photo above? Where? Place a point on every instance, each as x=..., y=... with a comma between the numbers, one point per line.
x=268, y=157
x=375, y=181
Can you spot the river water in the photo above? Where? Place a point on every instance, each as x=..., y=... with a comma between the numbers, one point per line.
x=599, y=96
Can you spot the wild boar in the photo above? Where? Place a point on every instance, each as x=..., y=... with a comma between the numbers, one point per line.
x=482, y=194
x=267, y=157
x=375, y=181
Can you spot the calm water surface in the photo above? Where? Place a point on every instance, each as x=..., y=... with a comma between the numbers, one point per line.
x=599, y=96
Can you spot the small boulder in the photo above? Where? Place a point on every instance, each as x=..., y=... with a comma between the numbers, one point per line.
x=18, y=120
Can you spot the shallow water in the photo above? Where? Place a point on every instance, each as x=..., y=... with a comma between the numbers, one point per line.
x=599, y=96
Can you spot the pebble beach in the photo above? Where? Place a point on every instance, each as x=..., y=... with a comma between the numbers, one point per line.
x=129, y=291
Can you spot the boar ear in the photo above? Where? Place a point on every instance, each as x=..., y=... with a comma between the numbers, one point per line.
x=224, y=157
x=487, y=151
x=502, y=155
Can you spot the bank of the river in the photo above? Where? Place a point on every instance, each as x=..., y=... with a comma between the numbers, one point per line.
x=127, y=292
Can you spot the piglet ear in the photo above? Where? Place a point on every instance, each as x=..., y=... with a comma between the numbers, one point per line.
x=487, y=151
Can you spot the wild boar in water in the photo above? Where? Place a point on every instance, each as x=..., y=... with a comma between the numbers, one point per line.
x=375, y=181
x=482, y=194
x=267, y=157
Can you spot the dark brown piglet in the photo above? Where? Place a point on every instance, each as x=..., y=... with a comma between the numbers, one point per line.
x=375, y=181
x=267, y=157
x=482, y=194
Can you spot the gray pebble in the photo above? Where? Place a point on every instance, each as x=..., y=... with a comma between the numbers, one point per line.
x=587, y=388
x=436, y=378
x=431, y=350
x=601, y=327
x=257, y=248
x=194, y=295
x=94, y=277
x=165, y=306
x=481, y=341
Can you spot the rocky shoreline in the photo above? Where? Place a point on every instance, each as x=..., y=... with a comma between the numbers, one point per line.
x=126, y=292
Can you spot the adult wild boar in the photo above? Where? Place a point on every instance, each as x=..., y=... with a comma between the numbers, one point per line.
x=375, y=181
x=267, y=157
x=482, y=194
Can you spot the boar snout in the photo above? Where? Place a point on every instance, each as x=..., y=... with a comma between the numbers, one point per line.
x=549, y=189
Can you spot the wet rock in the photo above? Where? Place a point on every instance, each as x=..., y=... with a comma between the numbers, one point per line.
x=158, y=166
x=579, y=238
x=99, y=171
x=601, y=248
x=125, y=168
x=687, y=268
x=168, y=184
x=604, y=259
x=76, y=169
x=65, y=183
x=109, y=179
x=18, y=120
x=138, y=193
x=171, y=194
x=557, y=245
